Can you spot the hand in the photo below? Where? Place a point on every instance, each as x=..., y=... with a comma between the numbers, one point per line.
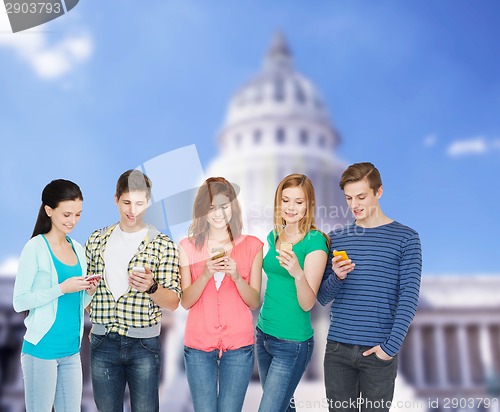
x=288, y=259
x=342, y=268
x=74, y=284
x=379, y=353
x=228, y=266
x=141, y=281
x=92, y=285
x=213, y=266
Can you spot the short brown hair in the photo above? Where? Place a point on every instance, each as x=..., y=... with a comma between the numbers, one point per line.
x=133, y=180
x=360, y=171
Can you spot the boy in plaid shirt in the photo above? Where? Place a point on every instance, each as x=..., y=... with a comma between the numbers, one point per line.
x=139, y=270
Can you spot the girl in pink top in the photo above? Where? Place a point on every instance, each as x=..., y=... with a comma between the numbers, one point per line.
x=221, y=273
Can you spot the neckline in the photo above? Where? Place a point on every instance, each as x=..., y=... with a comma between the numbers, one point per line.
x=230, y=250
x=124, y=233
x=374, y=227
x=68, y=239
x=276, y=237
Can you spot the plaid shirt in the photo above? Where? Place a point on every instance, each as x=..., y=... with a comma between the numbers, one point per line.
x=134, y=309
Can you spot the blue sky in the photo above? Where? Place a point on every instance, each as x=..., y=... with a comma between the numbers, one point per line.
x=412, y=86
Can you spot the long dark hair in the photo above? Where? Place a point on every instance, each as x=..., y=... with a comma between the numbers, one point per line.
x=55, y=192
x=211, y=187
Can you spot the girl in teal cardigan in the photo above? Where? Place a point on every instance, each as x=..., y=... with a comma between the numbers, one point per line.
x=50, y=286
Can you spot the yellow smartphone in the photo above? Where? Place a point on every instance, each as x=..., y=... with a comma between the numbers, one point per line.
x=341, y=253
x=286, y=246
x=218, y=252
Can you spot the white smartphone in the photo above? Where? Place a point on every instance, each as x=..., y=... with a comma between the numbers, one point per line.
x=93, y=277
x=139, y=269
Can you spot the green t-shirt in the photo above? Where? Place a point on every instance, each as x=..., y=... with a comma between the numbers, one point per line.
x=281, y=315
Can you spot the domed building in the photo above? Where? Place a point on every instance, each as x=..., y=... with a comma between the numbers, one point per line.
x=277, y=124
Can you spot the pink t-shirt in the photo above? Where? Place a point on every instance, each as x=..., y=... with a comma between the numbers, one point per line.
x=220, y=319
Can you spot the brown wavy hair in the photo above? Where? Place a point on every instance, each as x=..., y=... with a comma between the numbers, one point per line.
x=198, y=231
x=308, y=222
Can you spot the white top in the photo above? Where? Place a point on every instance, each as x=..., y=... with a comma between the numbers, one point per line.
x=120, y=249
x=218, y=278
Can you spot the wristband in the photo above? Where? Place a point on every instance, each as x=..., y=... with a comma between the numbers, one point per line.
x=153, y=288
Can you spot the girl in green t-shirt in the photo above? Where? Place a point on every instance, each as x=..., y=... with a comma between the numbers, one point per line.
x=294, y=265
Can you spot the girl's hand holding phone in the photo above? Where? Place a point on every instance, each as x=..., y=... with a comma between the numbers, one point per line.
x=93, y=280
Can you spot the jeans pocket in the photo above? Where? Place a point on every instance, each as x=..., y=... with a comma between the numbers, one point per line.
x=247, y=349
x=310, y=350
x=332, y=347
x=151, y=344
x=96, y=341
x=383, y=360
x=189, y=352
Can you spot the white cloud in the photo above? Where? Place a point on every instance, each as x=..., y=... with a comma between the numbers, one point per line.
x=430, y=140
x=48, y=61
x=474, y=146
x=9, y=266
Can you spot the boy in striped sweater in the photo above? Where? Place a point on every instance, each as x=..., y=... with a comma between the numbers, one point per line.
x=374, y=293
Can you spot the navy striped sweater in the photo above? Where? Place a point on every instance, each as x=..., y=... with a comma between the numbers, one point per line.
x=376, y=302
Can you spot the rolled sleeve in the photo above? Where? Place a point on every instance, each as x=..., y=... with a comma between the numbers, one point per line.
x=168, y=269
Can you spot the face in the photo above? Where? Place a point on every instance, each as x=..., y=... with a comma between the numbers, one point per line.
x=131, y=207
x=65, y=216
x=293, y=205
x=362, y=201
x=220, y=212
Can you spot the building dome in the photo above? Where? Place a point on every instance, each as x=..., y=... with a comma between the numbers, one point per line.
x=278, y=93
x=276, y=125
x=278, y=90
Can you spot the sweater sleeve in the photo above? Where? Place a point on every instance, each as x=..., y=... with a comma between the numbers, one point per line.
x=330, y=285
x=410, y=270
x=33, y=287
x=86, y=298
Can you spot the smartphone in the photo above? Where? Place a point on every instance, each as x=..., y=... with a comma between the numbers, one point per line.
x=219, y=252
x=90, y=278
x=139, y=269
x=286, y=246
x=341, y=253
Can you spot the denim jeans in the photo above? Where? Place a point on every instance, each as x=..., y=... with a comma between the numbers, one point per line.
x=353, y=380
x=117, y=360
x=48, y=383
x=219, y=384
x=281, y=365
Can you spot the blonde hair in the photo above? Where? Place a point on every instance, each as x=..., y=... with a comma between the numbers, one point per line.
x=308, y=222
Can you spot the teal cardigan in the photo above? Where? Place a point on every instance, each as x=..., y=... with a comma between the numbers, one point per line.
x=37, y=290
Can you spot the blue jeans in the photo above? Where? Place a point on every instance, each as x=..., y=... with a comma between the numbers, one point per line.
x=219, y=384
x=56, y=382
x=352, y=379
x=281, y=365
x=117, y=360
